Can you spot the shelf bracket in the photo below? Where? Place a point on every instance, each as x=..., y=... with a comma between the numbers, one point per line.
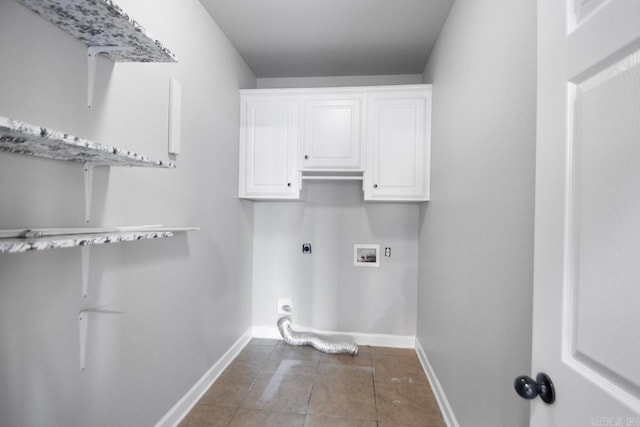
x=83, y=322
x=92, y=54
x=88, y=187
x=88, y=190
x=85, y=255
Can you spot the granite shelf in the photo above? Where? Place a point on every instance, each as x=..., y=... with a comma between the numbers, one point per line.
x=41, y=239
x=103, y=23
x=24, y=138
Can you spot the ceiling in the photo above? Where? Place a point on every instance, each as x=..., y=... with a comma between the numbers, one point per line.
x=308, y=38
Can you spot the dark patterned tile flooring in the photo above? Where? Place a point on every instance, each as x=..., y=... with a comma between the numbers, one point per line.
x=273, y=384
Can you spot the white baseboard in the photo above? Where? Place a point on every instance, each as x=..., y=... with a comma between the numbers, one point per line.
x=445, y=407
x=380, y=340
x=270, y=332
x=188, y=401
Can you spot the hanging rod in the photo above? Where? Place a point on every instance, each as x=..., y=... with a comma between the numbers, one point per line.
x=331, y=178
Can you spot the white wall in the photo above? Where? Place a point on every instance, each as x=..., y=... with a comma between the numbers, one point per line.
x=337, y=81
x=187, y=299
x=328, y=292
x=476, y=235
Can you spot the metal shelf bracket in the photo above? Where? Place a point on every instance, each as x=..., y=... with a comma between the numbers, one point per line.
x=83, y=319
x=92, y=54
x=88, y=190
x=85, y=256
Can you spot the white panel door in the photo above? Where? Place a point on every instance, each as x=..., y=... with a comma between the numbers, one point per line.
x=586, y=326
x=398, y=146
x=268, y=148
x=332, y=132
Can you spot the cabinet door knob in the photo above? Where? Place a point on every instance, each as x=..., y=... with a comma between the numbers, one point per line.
x=375, y=185
x=306, y=157
x=288, y=184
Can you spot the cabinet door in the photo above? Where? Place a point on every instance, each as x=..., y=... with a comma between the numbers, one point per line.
x=268, y=148
x=332, y=132
x=398, y=152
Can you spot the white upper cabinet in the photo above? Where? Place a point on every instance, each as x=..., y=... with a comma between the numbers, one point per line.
x=382, y=133
x=332, y=132
x=398, y=145
x=268, y=148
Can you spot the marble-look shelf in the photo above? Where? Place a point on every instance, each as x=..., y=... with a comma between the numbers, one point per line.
x=103, y=23
x=24, y=138
x=72, y=237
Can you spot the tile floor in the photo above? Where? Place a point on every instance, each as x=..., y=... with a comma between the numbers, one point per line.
x=273, y=384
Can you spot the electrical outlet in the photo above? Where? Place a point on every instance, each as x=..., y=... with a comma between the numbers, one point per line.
x=285, y=306
x=306, y=248
x=387, y=252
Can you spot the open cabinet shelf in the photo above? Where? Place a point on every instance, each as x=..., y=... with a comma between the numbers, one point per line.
x=103, y=23
x=14, y=241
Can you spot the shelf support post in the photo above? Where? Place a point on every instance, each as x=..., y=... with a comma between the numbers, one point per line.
x=92, y=54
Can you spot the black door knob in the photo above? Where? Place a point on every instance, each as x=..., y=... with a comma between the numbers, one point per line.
x=542, y=386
